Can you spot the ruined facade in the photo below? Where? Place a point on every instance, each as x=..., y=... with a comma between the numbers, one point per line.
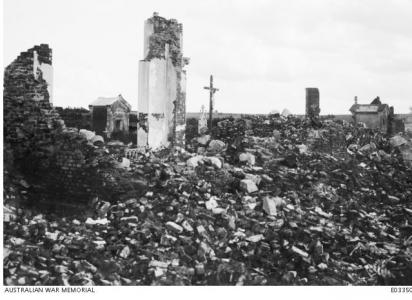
x=312, y=103
x=162, y=85
x=110, y=115
x=374, y=115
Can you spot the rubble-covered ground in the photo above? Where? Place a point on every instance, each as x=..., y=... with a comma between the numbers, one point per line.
x=267, y=201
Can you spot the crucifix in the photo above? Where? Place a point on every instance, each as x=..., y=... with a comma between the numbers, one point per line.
x=212, y=91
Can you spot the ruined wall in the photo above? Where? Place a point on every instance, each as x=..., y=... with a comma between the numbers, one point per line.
x=74, y=170
x=28, y=114
x=60, y=162
x=312, y=103
x=162, y=85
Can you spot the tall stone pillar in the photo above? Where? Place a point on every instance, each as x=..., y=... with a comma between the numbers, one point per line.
x=162, y=85
x=312, y=103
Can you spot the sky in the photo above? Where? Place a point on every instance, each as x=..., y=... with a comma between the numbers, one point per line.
x=262, y=54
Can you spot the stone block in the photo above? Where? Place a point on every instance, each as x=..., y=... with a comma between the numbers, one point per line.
x=248, y=186
x=269, y=205
x=216, y=146
x=194, y=161
x=174, y=227
x=248, y=158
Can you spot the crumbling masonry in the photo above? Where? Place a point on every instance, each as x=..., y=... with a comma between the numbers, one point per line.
x=59, y=161
x=28, y=114
x=162, y=85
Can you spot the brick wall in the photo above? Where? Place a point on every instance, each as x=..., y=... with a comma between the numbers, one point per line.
x=29, y=119
x=60, y=162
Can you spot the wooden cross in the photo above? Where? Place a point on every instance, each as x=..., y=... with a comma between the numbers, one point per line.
x=212, y=91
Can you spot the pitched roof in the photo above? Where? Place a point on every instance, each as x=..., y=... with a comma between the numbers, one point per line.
x=103, y=101
x=376, y=101
x=368, y=108
x=383, y=107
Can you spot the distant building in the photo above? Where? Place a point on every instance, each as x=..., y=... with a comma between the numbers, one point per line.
x=374, y=115
x=110, y=115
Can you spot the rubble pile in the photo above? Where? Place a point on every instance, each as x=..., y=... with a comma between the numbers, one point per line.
x=273, y=202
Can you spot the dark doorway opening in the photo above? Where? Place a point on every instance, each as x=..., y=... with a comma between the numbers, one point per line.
x=117, y=125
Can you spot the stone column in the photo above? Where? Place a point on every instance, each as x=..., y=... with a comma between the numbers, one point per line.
x=162, y=85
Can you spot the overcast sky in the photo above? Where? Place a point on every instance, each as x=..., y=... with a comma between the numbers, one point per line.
x=262, y=53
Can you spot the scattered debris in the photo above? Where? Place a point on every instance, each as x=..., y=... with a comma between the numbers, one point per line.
x=331, y=214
